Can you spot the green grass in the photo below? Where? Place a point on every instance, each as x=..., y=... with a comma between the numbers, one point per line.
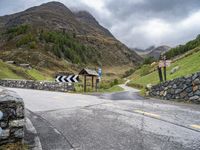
x=8, y=71
x=115, y=88
x=38, y=75
x=188, y=65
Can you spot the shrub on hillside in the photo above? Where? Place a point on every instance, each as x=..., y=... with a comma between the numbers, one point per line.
x=109, y=84
x=128, y=73
x=145, y=70
x=32, y=45
x=183, y=48
x=25, y=40
x=14, y=31
x=148, y=60
x=67, y=47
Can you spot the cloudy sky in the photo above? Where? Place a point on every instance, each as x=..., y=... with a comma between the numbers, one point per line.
x=137, y=23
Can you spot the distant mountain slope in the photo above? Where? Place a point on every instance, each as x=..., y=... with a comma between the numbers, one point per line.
x=156, y=52
x=143, y=52
x=152, y=51
x=51, y=36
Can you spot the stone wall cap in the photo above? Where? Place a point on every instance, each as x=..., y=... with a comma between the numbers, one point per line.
x=5, y=79
x=1, y=89
x=7, y=95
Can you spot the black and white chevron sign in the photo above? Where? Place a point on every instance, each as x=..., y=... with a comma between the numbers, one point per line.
x=70, y=78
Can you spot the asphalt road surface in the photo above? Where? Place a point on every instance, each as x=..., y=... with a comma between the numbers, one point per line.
x=118, y=121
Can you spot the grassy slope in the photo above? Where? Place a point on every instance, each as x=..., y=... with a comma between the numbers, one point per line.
x=7, y=72
x=14, y=72
x=38, y=75
x=115, y=88
x=188, y=65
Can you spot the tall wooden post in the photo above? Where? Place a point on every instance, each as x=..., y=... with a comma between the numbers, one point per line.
x=165, y=70
x=92, y=82
x=165, y=73
x=160, y=74
x=85, y=83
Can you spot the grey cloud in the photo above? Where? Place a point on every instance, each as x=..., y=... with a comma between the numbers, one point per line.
x=137, y=23
x=167, y=9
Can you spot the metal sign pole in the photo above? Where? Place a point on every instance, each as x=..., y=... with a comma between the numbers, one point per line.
x=97, y=84
x=99, y=77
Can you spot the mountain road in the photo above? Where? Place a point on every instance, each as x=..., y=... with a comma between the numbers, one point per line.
x=112, y=121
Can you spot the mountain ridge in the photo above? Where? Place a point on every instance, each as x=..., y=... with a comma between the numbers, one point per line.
x=152, y=51
x=84, y=39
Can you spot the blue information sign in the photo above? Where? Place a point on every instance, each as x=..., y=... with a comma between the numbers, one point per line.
x=100, y=72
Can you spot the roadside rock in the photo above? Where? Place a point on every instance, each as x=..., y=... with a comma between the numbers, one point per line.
x=175, y=69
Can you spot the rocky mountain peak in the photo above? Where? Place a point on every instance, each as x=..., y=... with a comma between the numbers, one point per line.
x=53, y=6
x=86, y=17
x=56, y=31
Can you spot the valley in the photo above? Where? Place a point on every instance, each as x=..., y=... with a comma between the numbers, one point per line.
x=67, y=41
x=99, y=75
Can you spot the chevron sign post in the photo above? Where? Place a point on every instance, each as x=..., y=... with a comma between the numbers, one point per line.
x=68, y=79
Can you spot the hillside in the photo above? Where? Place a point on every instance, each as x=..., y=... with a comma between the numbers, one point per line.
x=15, y=72
x=188, y=64
x=179, y=50
x=52, y=37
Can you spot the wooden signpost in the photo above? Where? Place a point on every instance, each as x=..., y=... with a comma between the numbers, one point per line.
x=163, y=64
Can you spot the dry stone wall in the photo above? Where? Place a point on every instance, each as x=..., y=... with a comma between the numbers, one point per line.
x=11, y=117
x=38, y=85
x=184, y=88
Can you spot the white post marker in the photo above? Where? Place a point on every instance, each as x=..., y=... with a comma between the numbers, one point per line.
x=167, y=63
x=1, y=116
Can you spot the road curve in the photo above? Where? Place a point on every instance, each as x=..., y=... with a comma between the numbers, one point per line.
x=118, y=121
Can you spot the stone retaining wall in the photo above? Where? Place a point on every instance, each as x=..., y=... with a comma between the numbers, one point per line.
x=38, y=85
x=11, y=118
x=184, y=88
